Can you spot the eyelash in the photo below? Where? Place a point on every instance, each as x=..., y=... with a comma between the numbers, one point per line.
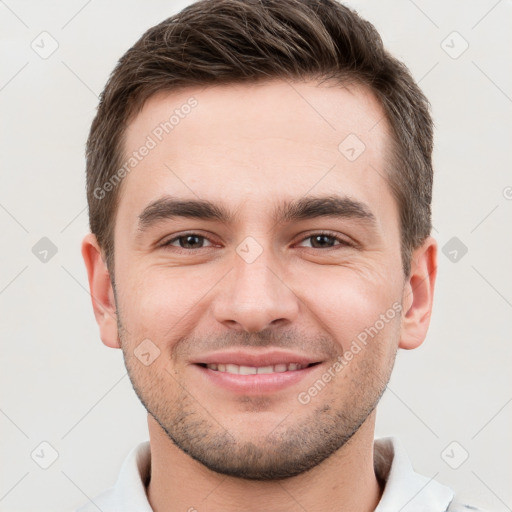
x=342, y=241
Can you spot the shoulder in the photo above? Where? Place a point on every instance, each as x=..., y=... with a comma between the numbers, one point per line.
x=458, y=506
x=103, y=501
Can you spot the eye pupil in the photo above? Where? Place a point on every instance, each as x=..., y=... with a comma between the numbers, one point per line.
x=188, y=240
x=325, y=240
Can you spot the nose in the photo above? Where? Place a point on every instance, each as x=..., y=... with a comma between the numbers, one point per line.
x=255, y=296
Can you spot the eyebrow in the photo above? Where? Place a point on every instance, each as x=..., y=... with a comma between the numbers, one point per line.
x=308, y=207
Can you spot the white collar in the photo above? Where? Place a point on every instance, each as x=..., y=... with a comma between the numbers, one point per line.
x=404, y=491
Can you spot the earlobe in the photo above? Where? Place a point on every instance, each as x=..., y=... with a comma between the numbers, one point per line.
x=418, y=295
x=102, y=295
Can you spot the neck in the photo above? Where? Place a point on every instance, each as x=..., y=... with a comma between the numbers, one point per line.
x=344, y=481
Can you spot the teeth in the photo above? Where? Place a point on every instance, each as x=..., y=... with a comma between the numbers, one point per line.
x=253, y=370
x=243, y=370
x=231, y=368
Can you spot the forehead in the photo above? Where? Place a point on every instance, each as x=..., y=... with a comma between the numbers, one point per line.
x=251, y=144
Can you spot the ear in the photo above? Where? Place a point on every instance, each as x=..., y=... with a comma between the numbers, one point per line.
x=102, y=294
x=418, y=295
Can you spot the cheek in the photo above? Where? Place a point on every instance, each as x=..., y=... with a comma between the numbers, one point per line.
x=347, y=303
x=161, y=303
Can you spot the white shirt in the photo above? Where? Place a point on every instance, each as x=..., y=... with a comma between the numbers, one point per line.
x=404, y=491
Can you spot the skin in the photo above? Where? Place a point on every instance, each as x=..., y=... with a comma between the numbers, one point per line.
x=250, y=147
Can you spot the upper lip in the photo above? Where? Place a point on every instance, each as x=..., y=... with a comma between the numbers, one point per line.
x=259, y=359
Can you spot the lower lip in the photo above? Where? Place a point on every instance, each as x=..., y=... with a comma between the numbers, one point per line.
x=256, y=384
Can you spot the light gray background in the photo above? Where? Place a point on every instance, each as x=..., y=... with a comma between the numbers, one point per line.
x=61, y=385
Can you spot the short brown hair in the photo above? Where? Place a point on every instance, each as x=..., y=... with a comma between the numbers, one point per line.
x=244, y=41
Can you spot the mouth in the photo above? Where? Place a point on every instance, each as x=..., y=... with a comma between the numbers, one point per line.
x=253, y=374
x=255, y=370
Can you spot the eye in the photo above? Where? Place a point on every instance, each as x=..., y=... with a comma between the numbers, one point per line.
x=187, y=241
x=326, y=241
x=194, y=241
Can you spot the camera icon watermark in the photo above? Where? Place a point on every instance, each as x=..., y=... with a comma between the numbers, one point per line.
x=44, y=455
x=44, y=250
x=454, y=45
x=454, y=249
x=249, y=249
x=455, y=455
x=44, y=45
x=351, y=147
x=146, y=352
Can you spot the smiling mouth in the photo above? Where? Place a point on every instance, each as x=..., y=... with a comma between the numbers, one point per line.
x=255, y=370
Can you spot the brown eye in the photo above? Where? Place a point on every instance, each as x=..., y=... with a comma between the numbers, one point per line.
x=187, y=241
x=321, y=241
x=325, y=241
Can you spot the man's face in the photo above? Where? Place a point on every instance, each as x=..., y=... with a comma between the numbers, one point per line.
x=259, y=289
